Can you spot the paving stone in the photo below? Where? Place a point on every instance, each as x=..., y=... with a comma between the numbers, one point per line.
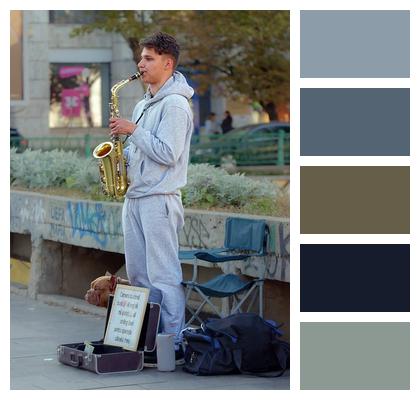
x=37, y=329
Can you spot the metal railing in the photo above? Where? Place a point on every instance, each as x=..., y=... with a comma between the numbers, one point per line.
x=82, y=144
x=258, y=149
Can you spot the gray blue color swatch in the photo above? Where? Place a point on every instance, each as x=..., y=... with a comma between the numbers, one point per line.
x=355, y=355
x=355, y=122
x=355, y=44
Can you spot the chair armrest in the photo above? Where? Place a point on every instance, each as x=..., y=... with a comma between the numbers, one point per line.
x=195, y=270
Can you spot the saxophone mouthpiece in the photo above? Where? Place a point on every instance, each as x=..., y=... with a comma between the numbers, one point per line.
x=135, y=76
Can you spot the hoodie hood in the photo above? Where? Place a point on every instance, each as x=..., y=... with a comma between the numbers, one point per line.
x=176, y=84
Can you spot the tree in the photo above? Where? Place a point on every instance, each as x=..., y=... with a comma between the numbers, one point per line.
x=246, y=53
x=131, y=25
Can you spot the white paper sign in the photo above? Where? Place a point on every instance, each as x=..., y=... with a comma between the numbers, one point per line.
x=126, y=317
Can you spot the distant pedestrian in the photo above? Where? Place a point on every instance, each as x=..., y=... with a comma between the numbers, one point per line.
x=210, y=126
x=227, y=123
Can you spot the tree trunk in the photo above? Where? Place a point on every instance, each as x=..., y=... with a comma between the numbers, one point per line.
x=271, y=109
x=135, y=48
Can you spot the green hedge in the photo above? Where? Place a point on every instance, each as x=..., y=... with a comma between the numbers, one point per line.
x=207, y=187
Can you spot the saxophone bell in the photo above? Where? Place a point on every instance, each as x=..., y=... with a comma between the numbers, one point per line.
x=102, y=150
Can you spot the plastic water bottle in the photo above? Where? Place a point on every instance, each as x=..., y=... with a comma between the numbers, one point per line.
x=165, y=352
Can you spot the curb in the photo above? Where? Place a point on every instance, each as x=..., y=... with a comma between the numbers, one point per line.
x=69, y=303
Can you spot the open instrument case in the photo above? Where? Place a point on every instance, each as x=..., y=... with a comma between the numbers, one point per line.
x=107, y=359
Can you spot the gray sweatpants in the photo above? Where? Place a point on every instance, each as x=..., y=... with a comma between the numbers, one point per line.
x=150, y=225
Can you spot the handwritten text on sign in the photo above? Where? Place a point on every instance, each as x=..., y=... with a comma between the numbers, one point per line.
x=126, y=318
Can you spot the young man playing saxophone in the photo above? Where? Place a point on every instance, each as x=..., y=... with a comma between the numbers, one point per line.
x=159, y=141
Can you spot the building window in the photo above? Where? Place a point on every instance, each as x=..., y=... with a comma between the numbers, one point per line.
x=16, y=55
x=72, y=16
x=79, y=94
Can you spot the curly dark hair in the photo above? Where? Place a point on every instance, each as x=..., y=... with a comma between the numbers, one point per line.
x=162, y=43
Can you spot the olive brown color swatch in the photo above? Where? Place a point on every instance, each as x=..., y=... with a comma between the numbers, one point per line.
x=355, y=199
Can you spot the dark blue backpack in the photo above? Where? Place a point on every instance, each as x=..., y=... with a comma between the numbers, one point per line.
x=240, y=343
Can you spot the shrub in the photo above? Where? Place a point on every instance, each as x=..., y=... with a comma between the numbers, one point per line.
x=55, y=168
x=207, y=185
x=211, y=186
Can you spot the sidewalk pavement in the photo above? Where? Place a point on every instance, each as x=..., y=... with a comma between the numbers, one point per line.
x=37, y=328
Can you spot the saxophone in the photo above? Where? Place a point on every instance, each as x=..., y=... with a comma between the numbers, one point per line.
x=112, y=165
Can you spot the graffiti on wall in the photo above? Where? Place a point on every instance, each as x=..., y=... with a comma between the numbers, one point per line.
x=95, y=221
x=276, y=263
x=88, y=220
x=195, y=232
x=57, y=222
x=32, y=211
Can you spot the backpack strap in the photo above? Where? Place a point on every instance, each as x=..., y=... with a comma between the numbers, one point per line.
x=282, y=352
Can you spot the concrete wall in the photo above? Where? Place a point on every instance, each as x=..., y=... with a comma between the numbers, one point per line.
x=97, y=225
x=73, y=241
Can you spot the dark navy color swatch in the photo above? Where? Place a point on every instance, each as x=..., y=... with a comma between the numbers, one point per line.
x=354, y=277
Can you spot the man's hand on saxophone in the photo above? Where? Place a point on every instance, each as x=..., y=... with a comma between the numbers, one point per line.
x=121, y=126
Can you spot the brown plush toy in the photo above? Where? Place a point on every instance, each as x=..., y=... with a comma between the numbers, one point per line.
x=101, y=288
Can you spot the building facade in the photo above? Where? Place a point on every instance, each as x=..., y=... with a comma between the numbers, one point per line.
x=60, y=84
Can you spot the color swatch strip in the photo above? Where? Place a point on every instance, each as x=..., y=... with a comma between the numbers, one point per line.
x=354, y=277
x=352, y=199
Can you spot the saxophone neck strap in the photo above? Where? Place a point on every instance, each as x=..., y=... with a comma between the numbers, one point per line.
x=139, y=118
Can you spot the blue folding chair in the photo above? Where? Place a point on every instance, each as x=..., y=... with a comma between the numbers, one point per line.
x=244, y=239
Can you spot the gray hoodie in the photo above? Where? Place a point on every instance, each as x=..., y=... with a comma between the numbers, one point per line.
x=158, y=150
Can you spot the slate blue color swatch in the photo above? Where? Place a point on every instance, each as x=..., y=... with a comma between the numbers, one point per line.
x=355, y=122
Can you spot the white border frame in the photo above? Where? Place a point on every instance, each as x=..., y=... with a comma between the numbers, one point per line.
x=139, y=320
